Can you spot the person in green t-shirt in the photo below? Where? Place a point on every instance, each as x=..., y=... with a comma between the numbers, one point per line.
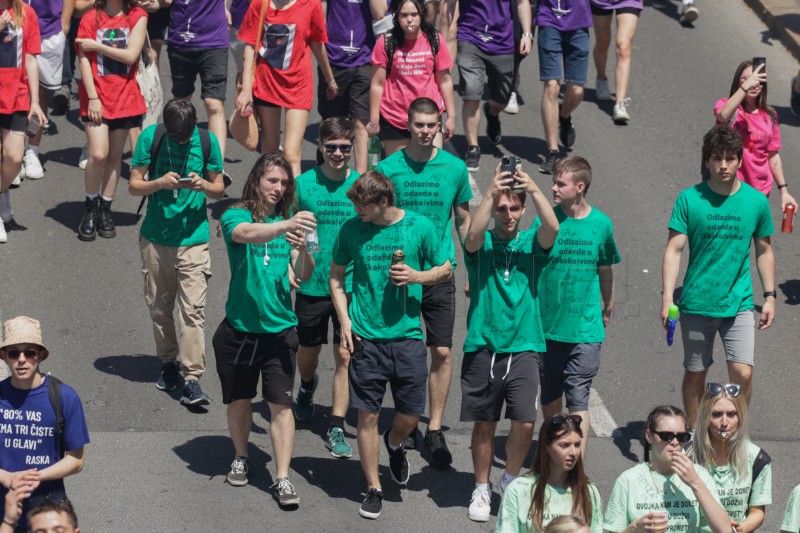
x=741, y=470
x=174, y=242
x=433, y=183
x=504, y=328
x=791, y=518
x=323, y=192
x=556, y=486
x=566, y=524
x=718, y=218
x=389, y=249
x=667, y=492
x=575, y=283
x=257, y=337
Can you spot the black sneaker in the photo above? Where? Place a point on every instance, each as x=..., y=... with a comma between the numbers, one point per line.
x=550, y=160
x=473, y=158
x=441, y=457
x=410, y=442
x=105, y=224
x=168, y=379
x=87, y=229
x=286, y=493
x=193, y=395
x=61, y=98
x=565, y=130
x=371, y=506
x=493, y=129
x=398, y=462
x=794, y=101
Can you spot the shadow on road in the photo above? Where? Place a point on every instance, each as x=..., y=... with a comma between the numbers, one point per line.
x=791, y=290
x=138, y=368
x=785, y=116
x=211, y=456
x=625, y=436
x=69, y=214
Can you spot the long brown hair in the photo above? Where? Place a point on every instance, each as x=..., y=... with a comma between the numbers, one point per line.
x=19, y=12
x=251, y=196
x=761, y=102
x=553, y=428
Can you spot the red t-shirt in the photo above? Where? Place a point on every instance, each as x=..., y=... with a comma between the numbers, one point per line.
x=284, y=75
x=114, y=81
x=15, y=44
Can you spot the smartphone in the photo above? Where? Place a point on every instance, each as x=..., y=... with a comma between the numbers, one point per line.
x=184, y=179
x=509, y=164
x=760, y=61
x=33, y=127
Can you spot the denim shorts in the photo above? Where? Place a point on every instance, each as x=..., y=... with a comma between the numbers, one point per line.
x=698, y=332
x=568, y=47
x=475, y=68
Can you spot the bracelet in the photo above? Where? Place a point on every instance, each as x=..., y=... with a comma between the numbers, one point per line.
x=12, y=524
x=95, y=98
x=527, y=34
x=782, y=186
x=742, y=88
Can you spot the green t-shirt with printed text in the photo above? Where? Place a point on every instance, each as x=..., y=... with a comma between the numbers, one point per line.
x=569, y=284
x=328, y=200
x=380, y=311
x=181, y=221
x=504, y=316
x=259, y=296
x=719, y=230
x=639, y=491
x=430, y=188
x=791, y=518
x=514, y=514
x=739, y=493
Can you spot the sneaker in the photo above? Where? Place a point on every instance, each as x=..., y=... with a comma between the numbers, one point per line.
x=550, y=160
x=226, y=179
x=304, y=405
x=473, y=158
x=689, y=14
x=566, y=132
x=287, y=496
x=371, y=506
x=621, y=112
x=238, y=474
x=17, y=180
x=337, y=444
x=61, y=98
x=168, y=379
x=440, y=454
x=502, y=485
x=602, y=91
x=105, y=223
x=193, y=395
x=512, y=107
x=480, y=506
x=493, y=129
x=794, y=101
x=84, y=157
x=398, y=462
x=33, y=167
x=87, y=229
x=3, y=234
x=410, y=442
x=5, y=207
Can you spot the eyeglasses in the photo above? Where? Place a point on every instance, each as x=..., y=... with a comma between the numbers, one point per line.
x=731, y=389
x=344, y=148
x=559, y=420
x=30, y=353
x=360, y=206
x=667, y=436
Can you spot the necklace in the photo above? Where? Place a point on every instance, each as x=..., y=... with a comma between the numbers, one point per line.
x=673, y=486
x=495, y=243
x=182, y=171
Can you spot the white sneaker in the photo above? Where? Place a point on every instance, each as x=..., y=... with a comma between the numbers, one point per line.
x=84, y=157
x=5, y=207
x=689, y=14
x=602, y=91
x=512, y=107
x=17, y=181
x=621, y=112
x=33, y=168
x=480, y=505
x=3, y=234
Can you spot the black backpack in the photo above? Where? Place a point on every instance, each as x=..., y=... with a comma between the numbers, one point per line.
x=155, y=148
x=54, y=386
x=762, y=460
x=389, y=46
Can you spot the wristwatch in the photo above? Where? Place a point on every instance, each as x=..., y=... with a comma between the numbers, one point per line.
x=774, y=294
x=528, y=34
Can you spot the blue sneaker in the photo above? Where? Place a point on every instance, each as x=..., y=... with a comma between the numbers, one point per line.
x=337, y=444
x=168, y=379
x=304, y=405
x=193, y=395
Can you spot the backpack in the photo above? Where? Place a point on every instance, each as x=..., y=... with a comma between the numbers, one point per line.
x=155, y=148
x=54, y=386
x=389, y=47
x=762, y=460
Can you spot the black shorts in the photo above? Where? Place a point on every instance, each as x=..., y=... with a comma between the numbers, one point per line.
x=211, y=64
x=390, y=133
x=439, y=312
x=403, y=364
x=243, y=357
x=125, y=123
x=263, y=103
x=353, y=98
x=568, y=369
x=17, y=121
x=600, y=12
x=313, y=313
x=157, y=24
x=489, y=379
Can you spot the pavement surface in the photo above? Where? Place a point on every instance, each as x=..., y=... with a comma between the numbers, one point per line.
x=154, y=466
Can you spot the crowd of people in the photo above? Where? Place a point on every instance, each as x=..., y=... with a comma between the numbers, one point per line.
x=370, y=249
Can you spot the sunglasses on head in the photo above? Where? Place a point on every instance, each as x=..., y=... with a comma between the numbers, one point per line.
x=331, y=148
x=667, y=436
x=731, y=389
x=30, y=353
x=559, y=420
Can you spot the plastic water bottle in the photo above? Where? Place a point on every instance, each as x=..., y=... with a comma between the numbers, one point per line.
x=672, y=321
x=312, y=242
x=373, y=152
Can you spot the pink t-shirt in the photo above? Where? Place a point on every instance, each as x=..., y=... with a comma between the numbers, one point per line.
x=411, y=77
x=760, y=136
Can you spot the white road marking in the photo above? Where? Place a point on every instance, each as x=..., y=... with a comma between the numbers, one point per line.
x=602, y=422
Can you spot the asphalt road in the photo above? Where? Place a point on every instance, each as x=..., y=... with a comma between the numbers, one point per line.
x=154, y=466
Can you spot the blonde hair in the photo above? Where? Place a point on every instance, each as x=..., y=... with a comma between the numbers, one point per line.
x=565, y=524
x=735, y=446
x=19, y=12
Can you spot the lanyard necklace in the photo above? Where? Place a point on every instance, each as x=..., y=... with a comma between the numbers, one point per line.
x=673, y=486
x=496, y=241
x=183, y=167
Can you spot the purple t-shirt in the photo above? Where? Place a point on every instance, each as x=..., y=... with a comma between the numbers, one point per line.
x=487, y=24
x=617, y=4
x=350, y=37
x=564, y=15
x=238, y=9
x=49, y=13
x=198, y=24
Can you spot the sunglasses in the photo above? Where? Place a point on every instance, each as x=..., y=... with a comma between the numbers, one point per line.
x=667, y=436
x=344, y=148
x=559, y=420
x=30, y=353
x=731, y=389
